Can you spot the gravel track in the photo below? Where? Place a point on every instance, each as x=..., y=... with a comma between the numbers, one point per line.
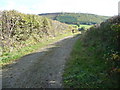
x=42, y=69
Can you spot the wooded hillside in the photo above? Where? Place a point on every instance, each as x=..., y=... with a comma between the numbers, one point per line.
x=76, y=18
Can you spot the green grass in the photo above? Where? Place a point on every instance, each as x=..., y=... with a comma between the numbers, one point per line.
x=86, y=68
x=10, y=57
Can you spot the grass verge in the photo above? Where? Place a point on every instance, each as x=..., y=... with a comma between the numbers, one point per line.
x=10, y=57
x=87, y=68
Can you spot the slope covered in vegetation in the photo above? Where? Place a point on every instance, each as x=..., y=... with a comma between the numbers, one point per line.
x=18, y=30
x=76, y=18
x=95, y=59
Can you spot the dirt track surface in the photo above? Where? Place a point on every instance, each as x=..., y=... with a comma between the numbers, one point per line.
x=42, y=69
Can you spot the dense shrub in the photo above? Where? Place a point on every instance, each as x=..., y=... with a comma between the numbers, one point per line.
x=106, y=38
x=18, y=30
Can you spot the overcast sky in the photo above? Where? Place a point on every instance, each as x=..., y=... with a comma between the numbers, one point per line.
x=99, y=7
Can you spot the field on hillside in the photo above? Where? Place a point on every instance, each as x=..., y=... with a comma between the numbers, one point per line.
x=85, y=26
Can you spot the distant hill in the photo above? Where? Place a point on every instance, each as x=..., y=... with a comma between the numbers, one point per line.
x=76, y=18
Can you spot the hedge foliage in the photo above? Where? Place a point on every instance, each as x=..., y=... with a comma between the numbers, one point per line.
x=106, y=37
x=18, y=30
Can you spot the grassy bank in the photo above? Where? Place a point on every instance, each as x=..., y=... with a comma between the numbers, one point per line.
x=95, y=59
x=10, y=57
x=86, y=69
